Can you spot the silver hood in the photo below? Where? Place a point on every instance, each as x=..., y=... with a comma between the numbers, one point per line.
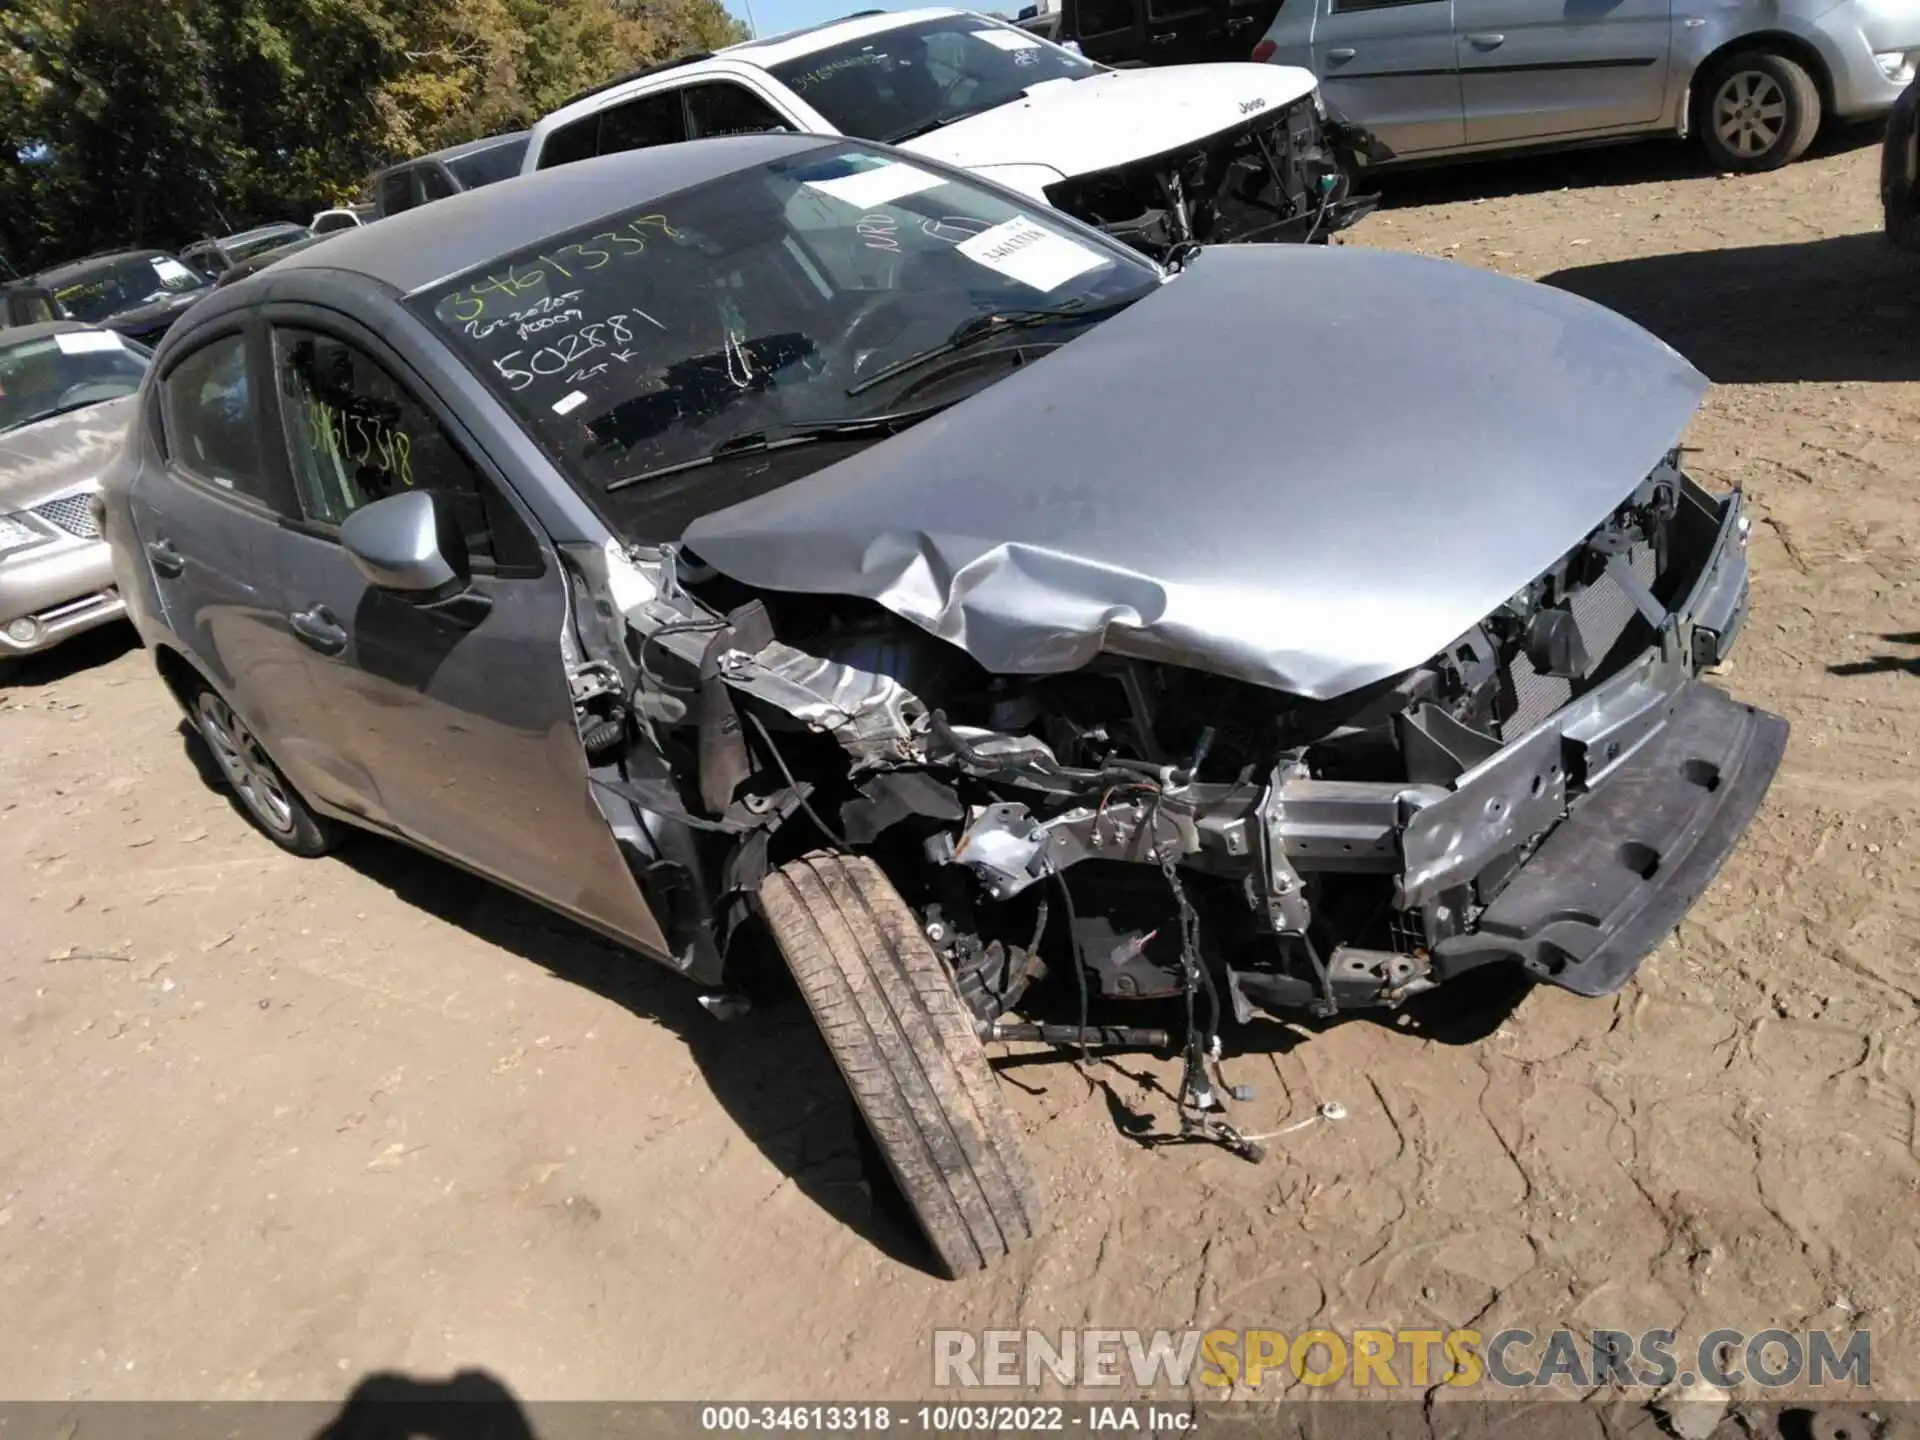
x=62, y=453
x=1305, y=467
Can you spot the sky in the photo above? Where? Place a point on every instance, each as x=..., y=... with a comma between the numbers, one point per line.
x=771, y=17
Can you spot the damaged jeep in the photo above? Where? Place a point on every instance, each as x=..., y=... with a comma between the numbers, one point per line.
x=774, y=538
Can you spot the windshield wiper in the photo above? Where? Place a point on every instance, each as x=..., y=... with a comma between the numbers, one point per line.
x=980, y=327
x=789, y=433
x=914, y=132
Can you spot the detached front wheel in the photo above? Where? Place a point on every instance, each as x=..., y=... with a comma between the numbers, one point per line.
x=905, y=1042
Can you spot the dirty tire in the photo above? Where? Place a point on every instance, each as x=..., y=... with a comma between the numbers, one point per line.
x=905, y=1042
x=1775, y=81
x=1900, y=179
x=255, y=783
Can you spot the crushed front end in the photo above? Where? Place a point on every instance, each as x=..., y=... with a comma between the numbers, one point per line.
x=1282, y=175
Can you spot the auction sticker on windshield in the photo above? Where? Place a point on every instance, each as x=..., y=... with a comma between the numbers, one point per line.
x=864, y=189
x=86, y=342
x=1028, y=252
x=1007, y=39
x=171, y=271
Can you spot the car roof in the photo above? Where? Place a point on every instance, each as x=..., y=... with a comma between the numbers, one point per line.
x=777, y=49
x=71, y=268
x=463, y=149
x=764, y=54
x=418, y=247
x=258, y=232
x=40, y=330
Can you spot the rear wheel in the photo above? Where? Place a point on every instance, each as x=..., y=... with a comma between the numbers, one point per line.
x=273, y=805
x=1755, y=111
x=905, y=1042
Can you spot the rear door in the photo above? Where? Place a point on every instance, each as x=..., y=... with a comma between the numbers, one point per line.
x=459, y=713
x=1537, y=69
x=207, y=518
x=1391, y=66
x=1114, y=32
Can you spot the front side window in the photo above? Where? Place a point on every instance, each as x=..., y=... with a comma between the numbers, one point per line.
x=721, y=107
x=435, y=183
x=761, y=299
x=638, y=124
x=68, y=371
x=355, y=435
x=209, y=417
x=124, y=282
x=30, y=309
x=915, y=78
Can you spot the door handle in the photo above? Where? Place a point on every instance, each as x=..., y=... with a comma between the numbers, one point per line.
x=166, y=560
x=316, y=627
x=1340, y=54
x=1486, y=41
x=1161, y=39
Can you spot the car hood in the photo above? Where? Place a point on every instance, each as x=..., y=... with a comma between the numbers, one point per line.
x=157, y=315
x=1305, y=467
x=61, y=453
x=1079, y=127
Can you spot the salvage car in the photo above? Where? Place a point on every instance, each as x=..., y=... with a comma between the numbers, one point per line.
x=138, y=293
x=1750, y=80
x=427, y=178
x=215, y=257
x=65, y=399
x=1158, y=158
x=640, y=535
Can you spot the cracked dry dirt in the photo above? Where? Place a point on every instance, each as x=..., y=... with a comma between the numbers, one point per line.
x=272, y=1124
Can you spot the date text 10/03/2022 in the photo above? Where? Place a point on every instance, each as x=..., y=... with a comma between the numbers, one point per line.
x=946, y=1419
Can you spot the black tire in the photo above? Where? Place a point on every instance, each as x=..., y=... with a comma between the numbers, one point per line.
x=905, y=1042
x=1755, y=111
x=255, y=783
x=1900, y=177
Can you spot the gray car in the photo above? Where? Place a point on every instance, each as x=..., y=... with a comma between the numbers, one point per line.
x=1752, y=80
x=784, y=535
x=65, y=401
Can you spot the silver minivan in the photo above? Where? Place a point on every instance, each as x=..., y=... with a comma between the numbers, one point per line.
x=1751, y=79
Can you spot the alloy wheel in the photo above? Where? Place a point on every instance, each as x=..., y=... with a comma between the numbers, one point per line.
x=1750, y=113
x=245, y=764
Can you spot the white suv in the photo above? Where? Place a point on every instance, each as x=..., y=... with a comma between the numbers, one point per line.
x=1157, y=157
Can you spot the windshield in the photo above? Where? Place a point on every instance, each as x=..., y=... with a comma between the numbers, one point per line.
x=496, y=162
x=124, y=282
x=762, y=298
x=65, y=371
x=915, y=78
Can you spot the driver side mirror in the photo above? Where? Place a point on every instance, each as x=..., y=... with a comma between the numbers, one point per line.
x=409, y=543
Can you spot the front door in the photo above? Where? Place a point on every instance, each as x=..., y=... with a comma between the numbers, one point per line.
x=1537, y=69
x=1389, y=65
x=459, y=713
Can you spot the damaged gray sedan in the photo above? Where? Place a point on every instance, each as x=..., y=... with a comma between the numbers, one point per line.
x=785, y=536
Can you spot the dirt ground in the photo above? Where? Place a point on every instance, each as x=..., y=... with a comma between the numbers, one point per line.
x=273, y=1124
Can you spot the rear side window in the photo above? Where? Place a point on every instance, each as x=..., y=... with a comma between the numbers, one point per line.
x=638, y=124
x=721, y=107
x=209, y=418
x=396, y=191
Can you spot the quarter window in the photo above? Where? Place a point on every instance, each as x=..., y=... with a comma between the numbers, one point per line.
x=724, y=108
x=209, y=418
x=396, y=191
x=355, y=435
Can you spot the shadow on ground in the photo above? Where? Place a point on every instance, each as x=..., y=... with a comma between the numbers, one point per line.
x=389, y=1405
x=1881, y=664
x=1844, y=308
x=769, y=1068
x=1639, y=163
x=83, y=652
